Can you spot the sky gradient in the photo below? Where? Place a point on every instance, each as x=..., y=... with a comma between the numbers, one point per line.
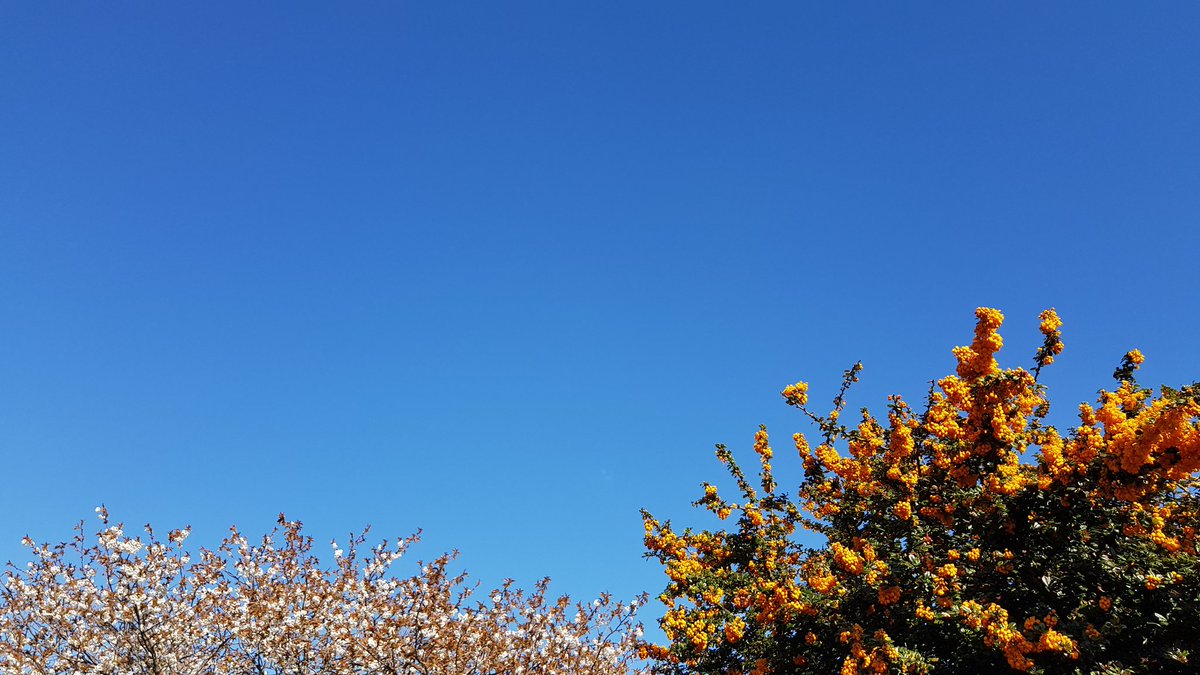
x=507, y=271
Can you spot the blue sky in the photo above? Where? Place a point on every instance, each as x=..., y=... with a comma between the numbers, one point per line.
x=507, y=271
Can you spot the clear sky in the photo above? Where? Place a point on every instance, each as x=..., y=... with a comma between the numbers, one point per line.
x=507, y=271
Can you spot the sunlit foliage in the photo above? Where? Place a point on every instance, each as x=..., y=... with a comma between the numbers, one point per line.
x=970, y=536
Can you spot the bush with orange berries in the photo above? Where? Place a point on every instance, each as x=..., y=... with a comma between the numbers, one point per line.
x=971, y=536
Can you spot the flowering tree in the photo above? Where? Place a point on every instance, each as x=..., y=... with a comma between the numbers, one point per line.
x=126, y=606
x=969, y=537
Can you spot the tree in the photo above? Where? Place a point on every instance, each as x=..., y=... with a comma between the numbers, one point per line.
x=123, y=607
x=971, y=537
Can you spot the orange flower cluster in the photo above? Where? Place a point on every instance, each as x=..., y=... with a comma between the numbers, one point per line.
x=1052, y=345
x=992, y=621
x=796, y=394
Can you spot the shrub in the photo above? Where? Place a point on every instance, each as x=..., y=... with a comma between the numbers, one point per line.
x=971, y=536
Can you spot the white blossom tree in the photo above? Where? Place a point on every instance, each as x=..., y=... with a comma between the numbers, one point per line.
x=126, y=606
